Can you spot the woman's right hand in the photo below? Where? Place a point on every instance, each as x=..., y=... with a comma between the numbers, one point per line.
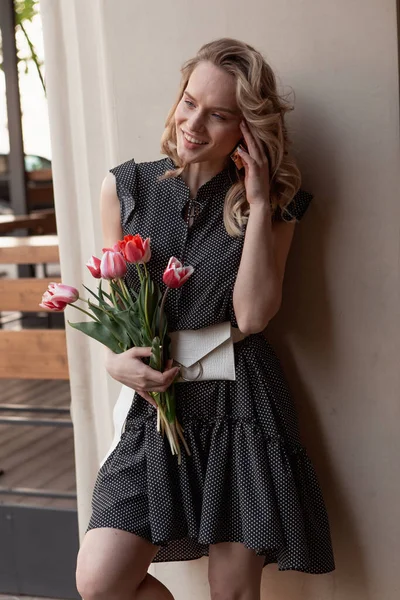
x=129, y=369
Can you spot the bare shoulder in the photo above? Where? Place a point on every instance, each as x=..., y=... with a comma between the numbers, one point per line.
x=109, y=187
x=110, y=210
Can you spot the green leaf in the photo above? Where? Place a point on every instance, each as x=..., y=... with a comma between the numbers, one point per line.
x=140, y=299
x=100, y=290
x=156, y=358
x=156, y=323
x=166, y=347
x=115, y=287
x=110, y=304
x=154, y=297
x=25, y=10
x=129, y=322
x=90, y=292
x=100, y=333
x=112, y=325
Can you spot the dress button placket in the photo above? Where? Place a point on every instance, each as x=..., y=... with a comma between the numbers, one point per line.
x=185, y=231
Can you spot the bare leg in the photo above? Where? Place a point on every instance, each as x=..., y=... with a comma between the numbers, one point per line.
x=113, y=564
x=152, y=589
x=234, y=572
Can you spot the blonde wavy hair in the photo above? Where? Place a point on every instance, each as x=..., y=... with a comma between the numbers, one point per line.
x=262, y=107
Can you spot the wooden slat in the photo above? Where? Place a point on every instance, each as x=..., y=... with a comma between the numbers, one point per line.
x=37, y=469
x=23, y=295
x=37, y=223
x=40, y=197
x=29, y=250
x=33, y=354
x=35, y=392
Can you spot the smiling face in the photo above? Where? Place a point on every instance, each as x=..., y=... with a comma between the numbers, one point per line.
x=207, y=117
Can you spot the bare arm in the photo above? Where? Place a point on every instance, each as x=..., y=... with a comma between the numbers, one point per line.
x=257, y=293
x=110, y=212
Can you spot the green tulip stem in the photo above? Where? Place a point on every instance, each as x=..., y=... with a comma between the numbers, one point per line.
x=146, y=301
x=85, y=312
x=106, y=312
x=121, y=294
x=91, y=303
x=162, y=314
x=125, y=289
x=114, y=298
x=139, y=272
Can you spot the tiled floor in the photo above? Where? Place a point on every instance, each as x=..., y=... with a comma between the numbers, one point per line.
x=32, y=456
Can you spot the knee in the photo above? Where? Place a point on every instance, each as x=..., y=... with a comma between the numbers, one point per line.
x=218, y=594
x=89, y=586
x=91, y=582
x=92, y=586
x=226, y=589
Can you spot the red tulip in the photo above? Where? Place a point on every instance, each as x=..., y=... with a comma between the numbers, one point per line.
x=175, y=274
x=134, y=249
x=93, y=264
x=58, y=296
x=112, y=265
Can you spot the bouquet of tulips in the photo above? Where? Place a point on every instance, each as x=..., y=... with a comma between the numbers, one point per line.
x=122, y=318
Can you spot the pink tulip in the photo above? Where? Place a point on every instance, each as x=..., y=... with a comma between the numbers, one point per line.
x=115, y=248
x=93, y=264
x=58, y=296
x=135, y=249
x=175, y=274
x=112, y=265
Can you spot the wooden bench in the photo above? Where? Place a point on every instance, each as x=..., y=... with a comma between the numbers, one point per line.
x=37, y=223
x=29, y=353
x=31, y=250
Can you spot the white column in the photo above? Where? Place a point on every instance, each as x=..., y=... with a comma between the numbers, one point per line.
x=83, y=147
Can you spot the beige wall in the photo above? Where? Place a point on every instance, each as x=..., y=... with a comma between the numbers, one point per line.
x=338, y=332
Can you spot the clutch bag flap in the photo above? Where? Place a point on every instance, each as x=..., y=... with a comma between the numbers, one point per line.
x=212, y=347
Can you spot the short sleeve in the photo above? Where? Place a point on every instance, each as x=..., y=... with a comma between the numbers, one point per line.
x=126, y=183
x=296, y=209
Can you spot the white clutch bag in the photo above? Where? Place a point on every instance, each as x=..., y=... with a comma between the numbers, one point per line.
x=205, y=353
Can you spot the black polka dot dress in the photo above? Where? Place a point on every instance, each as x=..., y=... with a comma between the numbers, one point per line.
x=249, y=478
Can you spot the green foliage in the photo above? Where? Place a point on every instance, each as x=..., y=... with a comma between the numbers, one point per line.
x=101, y=334
x=128, y=320
x=115, y=327
x=25, y=11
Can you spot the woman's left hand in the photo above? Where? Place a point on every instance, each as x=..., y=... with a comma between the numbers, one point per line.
x=256, y=166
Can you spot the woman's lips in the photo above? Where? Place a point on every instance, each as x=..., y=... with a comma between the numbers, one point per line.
x=192, y=142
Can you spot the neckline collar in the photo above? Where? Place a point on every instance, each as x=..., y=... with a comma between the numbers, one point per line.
x=221, y=181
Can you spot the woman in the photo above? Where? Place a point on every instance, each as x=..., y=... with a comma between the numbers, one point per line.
x=247, y=495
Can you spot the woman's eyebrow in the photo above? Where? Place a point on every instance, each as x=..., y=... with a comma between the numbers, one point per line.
x=220, y=108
